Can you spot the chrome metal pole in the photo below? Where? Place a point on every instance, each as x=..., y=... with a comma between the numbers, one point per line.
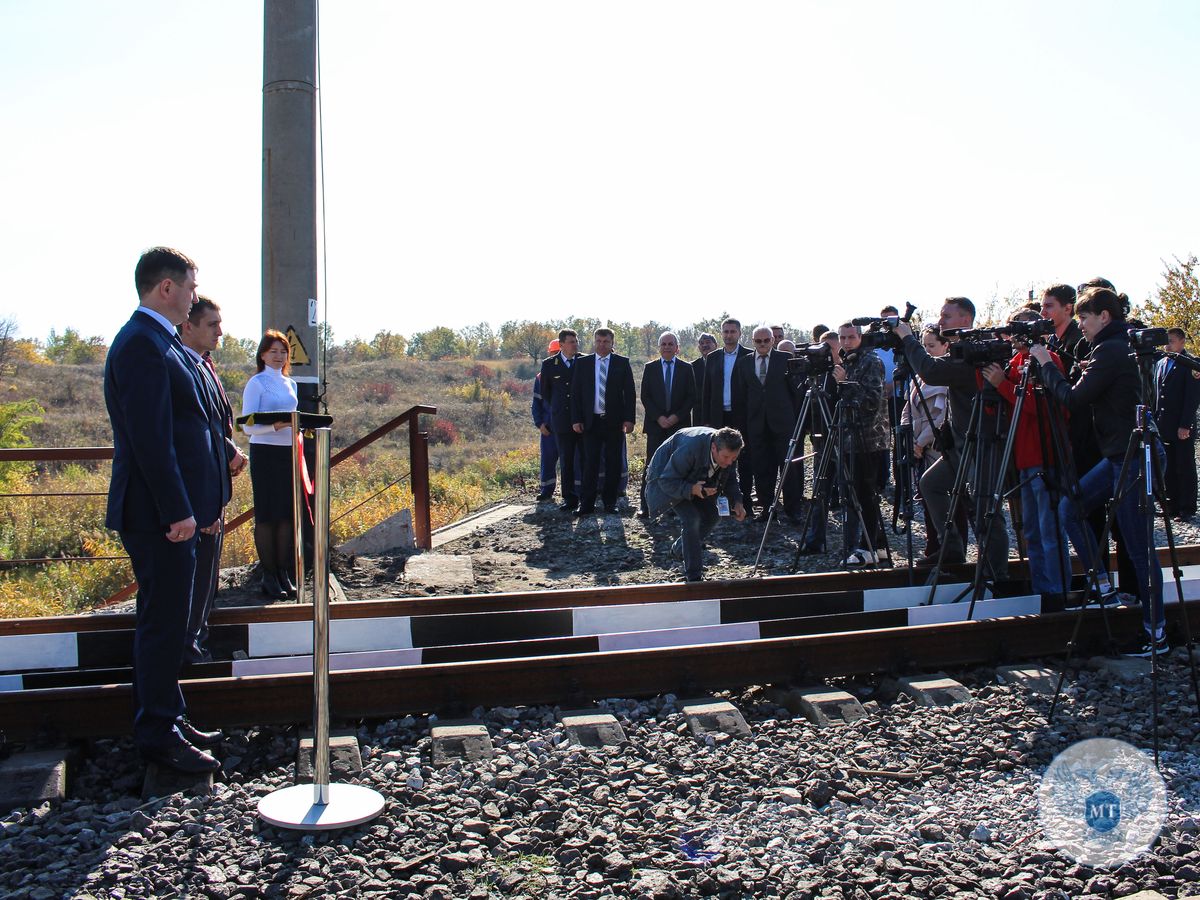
x=321, y=621
x=297, y=507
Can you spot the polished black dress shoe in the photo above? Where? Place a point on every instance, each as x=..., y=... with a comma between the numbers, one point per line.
x=286, y=582
x=543, y=498
x=271, y=587
x=194, y=735
x=585, y=512
x=568, y=507
x=181, y=756
x=643, y=514
x=612, y=510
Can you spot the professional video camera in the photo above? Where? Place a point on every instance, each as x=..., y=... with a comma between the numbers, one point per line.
x=811, y=361
x=979, y=347
x=879, y=335
x=1032, y=331
x=1147, y=340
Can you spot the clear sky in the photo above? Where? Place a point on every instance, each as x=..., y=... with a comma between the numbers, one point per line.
x=792, y=160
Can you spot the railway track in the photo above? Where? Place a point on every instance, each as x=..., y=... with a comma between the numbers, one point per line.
x=68, y=676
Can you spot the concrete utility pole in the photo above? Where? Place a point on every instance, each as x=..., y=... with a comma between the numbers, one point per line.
x=289, y=220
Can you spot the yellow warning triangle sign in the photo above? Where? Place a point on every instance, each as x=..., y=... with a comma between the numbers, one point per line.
x=299, y=354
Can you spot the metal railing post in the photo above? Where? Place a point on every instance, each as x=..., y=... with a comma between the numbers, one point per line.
x=322, y=805
x=418, y=467
x=321, y=622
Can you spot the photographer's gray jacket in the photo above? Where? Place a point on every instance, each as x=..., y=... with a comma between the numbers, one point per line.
x=683, y=459
x=962, y=380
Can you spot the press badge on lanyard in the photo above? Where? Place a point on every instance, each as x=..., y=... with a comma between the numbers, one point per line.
x=723, y=506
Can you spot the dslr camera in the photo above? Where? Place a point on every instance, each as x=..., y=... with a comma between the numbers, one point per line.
x=811, y=361
x=879, y=334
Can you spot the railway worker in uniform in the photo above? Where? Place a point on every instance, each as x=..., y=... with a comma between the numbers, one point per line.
x=168, y=470
x=1110, y=389
x=1176, y=396
x=693, y=473
x=271, y=448
x=200, y=333
x=548, y=447
x=555, y=378
x=603, y=411
x=668, y=396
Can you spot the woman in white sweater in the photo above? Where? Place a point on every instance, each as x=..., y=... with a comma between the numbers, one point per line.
x=271, y=390
x=926, y=413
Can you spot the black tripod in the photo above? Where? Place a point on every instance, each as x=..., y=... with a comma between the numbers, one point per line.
x=835, y=452
x=1141, y=471
x=977, y=455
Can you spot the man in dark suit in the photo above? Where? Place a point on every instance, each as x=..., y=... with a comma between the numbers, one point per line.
x=693, y=474
x=1177, y=394
x=200, y=334
x=705, y=344
x=603, y=411
x=769, y=399
x=168, y=460
x=668, y=396
x=556, y=394
x=722, y=400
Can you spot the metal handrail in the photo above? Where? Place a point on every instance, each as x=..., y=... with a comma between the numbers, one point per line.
x=418, y=473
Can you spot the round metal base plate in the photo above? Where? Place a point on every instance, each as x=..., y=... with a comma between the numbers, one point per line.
x=293, y=807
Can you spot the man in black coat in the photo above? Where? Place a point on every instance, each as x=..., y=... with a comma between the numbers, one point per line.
x=768, y=398
x=168, y=460
x=1176, y=395
x=668, y=396
x=556, y=394
x=705, y=344
x=722, y=405
x=200, y=334
x=603, y=411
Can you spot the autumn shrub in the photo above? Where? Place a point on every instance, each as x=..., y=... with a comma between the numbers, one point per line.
x=442, y=431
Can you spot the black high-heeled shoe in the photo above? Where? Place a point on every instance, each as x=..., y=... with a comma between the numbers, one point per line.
x=271, y=587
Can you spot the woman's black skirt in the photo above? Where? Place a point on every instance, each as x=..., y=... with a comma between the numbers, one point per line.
x=271, y=478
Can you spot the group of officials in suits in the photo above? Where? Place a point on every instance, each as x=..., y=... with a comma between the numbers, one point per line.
x=173, y=461
x=729, y=386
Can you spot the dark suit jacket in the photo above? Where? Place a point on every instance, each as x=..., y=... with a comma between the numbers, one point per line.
x=1177, y=394
x=656, y=403
x=713, y=401
x=698, y=409
x=221, y=416
x=556, y=391
x=769, y=407
x=620, y=395
x=168, y=453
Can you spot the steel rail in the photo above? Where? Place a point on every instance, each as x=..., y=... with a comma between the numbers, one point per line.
x=571, y=679
x=773, y=585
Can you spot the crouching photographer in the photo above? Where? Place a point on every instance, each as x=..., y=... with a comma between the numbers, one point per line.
x=960, y=374
x=1109, y=389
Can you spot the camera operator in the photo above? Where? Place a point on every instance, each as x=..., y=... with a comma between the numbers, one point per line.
x=964, y=382
x=1058, y=305
x=925, y=413
x=859, y=377
x=1110, y=387
x=1045, y=539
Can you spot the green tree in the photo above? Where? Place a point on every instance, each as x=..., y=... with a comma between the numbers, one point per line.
x=437, y=343
x=14, y=419
x=73, y=349
x=389, y=345
x=1176, y=302
x=480, y=341
x=234, y=352
x=519, y=339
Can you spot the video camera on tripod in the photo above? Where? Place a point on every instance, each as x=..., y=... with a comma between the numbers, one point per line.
x=811, y=361
x=1146, y=341
x=879, y=334
x=981, y=347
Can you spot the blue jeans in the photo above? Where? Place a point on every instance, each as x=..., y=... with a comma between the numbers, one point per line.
x=1097, y=487
x=1046, y=540
x=698, y=518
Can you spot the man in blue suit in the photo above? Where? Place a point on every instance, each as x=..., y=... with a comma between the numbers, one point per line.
x=693, y=473
x=603, y=411
x=1177, y=394
x=556, y=395
x=168, y=460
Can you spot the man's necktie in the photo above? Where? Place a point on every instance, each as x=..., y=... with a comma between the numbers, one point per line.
x=602, y=380
x=668, y=368
x=762, y=370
